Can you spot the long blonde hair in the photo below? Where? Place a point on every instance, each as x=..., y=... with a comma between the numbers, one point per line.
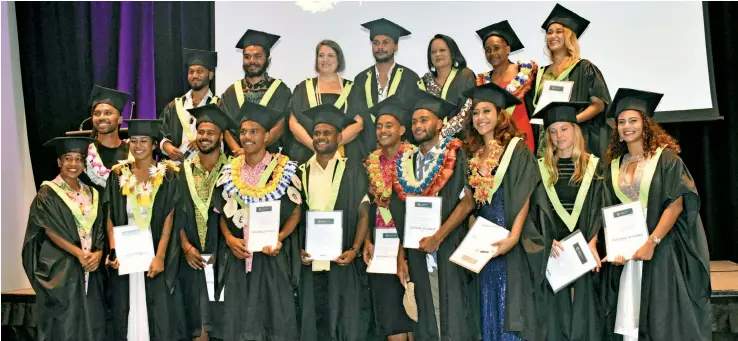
x=572, y=50
x=579, y=156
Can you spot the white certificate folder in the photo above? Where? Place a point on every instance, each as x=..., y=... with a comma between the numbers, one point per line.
x=324, y=239
x=573, y=262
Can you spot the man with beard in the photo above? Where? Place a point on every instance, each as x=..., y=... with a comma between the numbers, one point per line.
x=446, y=294
x=257, y=87
x=390, y=320
x=332, y=294
x=259, y=283
x=199, y=223
x=179, y=140
x=107, y=149
x=385, y=78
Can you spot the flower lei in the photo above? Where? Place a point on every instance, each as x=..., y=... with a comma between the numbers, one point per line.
x=143, y=191
x=435, y=179
x=377, y=186
x=522, y=82
x=273, y=190
x=95, y=169
x=483, y=184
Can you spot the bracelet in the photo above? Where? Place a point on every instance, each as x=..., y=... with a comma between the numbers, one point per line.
x=188, y=250
x=354, y=250
x=655, y=239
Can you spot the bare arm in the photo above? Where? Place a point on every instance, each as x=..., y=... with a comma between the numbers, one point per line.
x=290, y=224
x=161, y=250
x=276, y=132
x=460, y=212
x=517, y=227
x=362, y=227
x=669, y=218
x=109, y=231
x=596, y=107
x=301, y=135
x=64, y=244
x=352, y=131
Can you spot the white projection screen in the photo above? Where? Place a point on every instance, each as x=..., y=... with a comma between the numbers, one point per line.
x=655, y=46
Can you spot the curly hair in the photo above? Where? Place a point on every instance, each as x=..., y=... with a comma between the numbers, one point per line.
x=505, y=130
x=653, y=137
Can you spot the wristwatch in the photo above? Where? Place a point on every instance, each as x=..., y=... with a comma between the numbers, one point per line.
x=655, y=239
x=356, y=251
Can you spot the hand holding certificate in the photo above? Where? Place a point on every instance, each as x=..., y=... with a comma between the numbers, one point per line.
x=135, y=248
x=422, y=219
x=476, y=249
x=263, y=225
x=574, y=260
x=553, y=91
x=384, y=259
x=625, y=230
x=324, y=239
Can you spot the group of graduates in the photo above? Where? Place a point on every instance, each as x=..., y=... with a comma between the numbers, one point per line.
x=363, y=148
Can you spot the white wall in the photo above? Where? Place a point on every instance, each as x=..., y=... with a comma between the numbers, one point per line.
x=17, y=183
x=658, y=46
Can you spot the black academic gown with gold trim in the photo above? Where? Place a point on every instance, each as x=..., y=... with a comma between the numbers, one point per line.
x=163, y=295
x=65, y=312
x=259, y=305
x=346, y=295
x=675, y=287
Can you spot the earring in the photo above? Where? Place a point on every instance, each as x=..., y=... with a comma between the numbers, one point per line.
x=621, y=139
x=456, y=64
x=433, y=68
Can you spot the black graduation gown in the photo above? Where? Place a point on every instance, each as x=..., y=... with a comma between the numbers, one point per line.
x=589, y=82
x=459, y=296
x=582, y=319
x=408, y=85
x=192, y=282
x=465, y=79
x=525, y=263
x=355, y=150
x=280, y=101
x=259, y=305
x=675, y=287
x=172, y=128
x=64, y=311
x=387, y=292
x=163, y=296
x=342, y=292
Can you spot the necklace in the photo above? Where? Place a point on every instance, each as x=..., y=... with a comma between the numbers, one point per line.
x=483, y=184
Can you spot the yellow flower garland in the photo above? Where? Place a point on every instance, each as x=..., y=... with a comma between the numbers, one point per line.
x=254, y=191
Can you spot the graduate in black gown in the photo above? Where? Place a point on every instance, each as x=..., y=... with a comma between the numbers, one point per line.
x=385, y=78
x=178, y=130
x=333, y=298
x=329, y=87
x=575, y=188
x=146, y=305
x=62, y=251
x=675, y=285
x=197, y=221
x=563, y=28
x=446, y=294
x=107, y=149
x=506, y=188
x=257, y=87
x=390, y=319
x=258, y=285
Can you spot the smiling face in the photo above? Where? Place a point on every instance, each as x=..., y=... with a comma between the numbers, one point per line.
x=71, y=165
x=325, y=139
x=496, y=50
x=383, y=48
x=253, y=137
x=255, y=61
x=389, y=131
x=562, y=135
x=142, y=147
x=484, y=118
x=327, y=60
x=440, y=54
x=555, y=37
x=208, y=137
x=630, y=126
x=106, y=118
x=198, y=77
x=425, y=125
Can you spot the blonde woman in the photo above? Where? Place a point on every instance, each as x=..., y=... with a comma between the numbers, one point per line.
x=574, y=187
x=563, y=29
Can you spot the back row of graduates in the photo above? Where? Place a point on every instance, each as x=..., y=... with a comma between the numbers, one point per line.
x=196, y=204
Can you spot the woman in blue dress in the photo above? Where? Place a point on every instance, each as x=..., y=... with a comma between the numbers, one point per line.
x=503, y=177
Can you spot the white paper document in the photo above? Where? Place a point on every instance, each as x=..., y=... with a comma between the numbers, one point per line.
x=476, y=249
x=625, y=229
x=210, y=279
x=134, y=248
x=573, y=262
x=324, y=239
x=263, y=225
x=422, y=219
x=553, y=91
x=386, y=244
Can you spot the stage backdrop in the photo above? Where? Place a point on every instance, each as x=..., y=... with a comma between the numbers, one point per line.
x=658, y=46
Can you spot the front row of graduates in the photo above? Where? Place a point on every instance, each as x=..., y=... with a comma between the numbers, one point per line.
x=197, y=214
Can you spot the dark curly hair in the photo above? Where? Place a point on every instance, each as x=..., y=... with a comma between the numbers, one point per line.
x=505, y=130
x=653, y=137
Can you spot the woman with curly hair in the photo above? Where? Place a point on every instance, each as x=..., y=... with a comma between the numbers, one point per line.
x=563, y=29
x=674, y=261
x=503, y=176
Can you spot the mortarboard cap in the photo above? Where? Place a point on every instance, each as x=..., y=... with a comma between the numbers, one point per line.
x=393, y=106
x=265, y=116
x=492, y=93
x=503, y=30
x=439, y=106
x=141, y=127
x=207, y=59
x=631, y=99
x=562, y=15
x=212, y=113
x=329, y=114
x=560, y=112
x=65, y=145
x=385, y=27
x=258, y=38
x=117, y=99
